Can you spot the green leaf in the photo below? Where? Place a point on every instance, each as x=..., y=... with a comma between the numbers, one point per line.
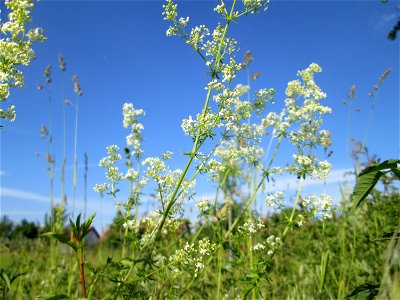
x=74, y=229
x=16, y=276
x=365, y=291
x=369, y=177
x=324, y=268
x=5, y=278
x=396, y=172
x=86, y=225
x=388, y=236
x=387, y=164
x=78, y=222
x=61, y=238
x=364, y=185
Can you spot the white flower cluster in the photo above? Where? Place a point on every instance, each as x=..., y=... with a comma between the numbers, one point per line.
x=204, y=205
x=232, y=154
x=251, y=226
x=310, y=165
x=15, y=49
x=167, y=181
x=112, y=171
x=272, y=244
x=132, y=225
x=319, y=204
x=171, y=14
x=253, y=6
x=197, y=36
x=275, y=201
x=205, y=122
x=214, y=169
x=233, y=114
x=131, y=120
x=221, y=9
x=192, y=258
x=300, y=121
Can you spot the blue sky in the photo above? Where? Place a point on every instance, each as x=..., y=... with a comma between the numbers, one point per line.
x=121, y=54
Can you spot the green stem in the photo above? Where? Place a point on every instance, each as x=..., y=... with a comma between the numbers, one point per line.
x=219, y=280
x=290, y=221
x=82, y=270
x=161, y=223
x=253, y=196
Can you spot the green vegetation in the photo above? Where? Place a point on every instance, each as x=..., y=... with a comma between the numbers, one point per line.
x=320, y=260
x=308, y=250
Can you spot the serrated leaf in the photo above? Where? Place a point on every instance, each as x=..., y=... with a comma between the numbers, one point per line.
x=74, y=230
x=387, y=164
x=86, y=225
x=78, y=222
x=61, y=238
x=364, y=185
x=368, y=178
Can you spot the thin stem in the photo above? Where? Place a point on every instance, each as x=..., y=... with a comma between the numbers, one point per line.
x=85, y=185
x=156, y=232
x=219, y=280
x=75, y=156
x=253, y=196
x=371, y=109
x=290, y=221
x=64, y=163
x=82, y=271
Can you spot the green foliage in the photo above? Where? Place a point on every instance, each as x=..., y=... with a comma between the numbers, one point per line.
x=7, y=280
x=79, y=232
x=369, y=177
x=6, y=227
x=301, y=268
x=305, y=251
x=24, y=229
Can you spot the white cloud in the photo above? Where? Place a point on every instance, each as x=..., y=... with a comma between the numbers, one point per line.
x=2, y=173
x=384, y=21
x=23, y=195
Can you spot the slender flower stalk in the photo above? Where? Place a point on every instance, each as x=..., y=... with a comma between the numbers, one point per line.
x=79, y=93
x=64, y=103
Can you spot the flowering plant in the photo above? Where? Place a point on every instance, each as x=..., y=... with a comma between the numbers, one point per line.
x=235, y=128
x=15, y=49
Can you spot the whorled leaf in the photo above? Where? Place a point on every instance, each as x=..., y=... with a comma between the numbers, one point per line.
x=61, y=238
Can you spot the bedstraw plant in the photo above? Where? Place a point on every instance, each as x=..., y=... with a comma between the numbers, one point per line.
x=15, y=50
x=234, y=128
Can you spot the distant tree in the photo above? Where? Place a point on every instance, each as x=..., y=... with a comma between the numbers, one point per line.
x=26, y=229
x=6, y=227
